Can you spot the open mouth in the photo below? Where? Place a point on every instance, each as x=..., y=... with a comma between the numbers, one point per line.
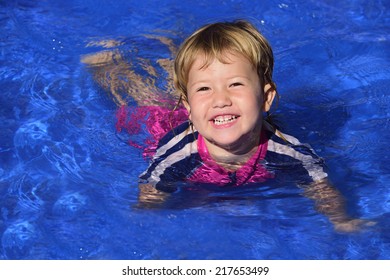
x=220, y=120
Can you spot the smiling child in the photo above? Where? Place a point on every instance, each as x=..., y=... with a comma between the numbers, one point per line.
x=223, y=73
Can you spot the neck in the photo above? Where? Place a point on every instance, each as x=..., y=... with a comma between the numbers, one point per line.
x=233, y=157
x=233, y=162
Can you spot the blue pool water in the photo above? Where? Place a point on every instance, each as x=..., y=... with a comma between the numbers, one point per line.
x=68, y=180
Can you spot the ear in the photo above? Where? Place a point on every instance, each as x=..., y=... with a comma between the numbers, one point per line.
x=187, y=106
x=269, y=95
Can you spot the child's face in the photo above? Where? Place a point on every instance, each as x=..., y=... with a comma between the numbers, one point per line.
x=225, y=103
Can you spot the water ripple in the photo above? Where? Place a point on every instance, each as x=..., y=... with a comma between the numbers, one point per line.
x=41, y=98
x=62, y=157
x=18, y=238
x=70, y=204
x=29, y=138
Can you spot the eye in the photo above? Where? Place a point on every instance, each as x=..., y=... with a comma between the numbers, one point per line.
x=203, y=89
x=236, y=84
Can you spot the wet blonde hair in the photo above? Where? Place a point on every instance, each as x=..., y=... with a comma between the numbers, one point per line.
x=214, y=40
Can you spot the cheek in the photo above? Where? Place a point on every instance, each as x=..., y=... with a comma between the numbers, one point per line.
x=187, y=106
x=254, y=104
x=196, y=106
x=192, y=109
x=256, y=113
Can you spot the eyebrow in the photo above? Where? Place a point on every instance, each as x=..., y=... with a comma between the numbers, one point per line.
x=228, y=78
x=198, y=82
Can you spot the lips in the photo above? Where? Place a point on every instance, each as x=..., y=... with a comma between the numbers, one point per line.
x=224, y=119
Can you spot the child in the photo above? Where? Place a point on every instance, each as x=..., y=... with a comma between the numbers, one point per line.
x=223, y=73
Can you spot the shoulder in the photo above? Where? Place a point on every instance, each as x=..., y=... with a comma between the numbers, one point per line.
x=175, y=134
x=176, y=140
x=287, y=150
x=176, y=155
x=284, y=143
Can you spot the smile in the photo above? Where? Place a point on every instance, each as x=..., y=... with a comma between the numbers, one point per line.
x=221, y=120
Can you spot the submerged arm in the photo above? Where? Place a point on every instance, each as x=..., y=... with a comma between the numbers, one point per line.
x=330, y=202
x=150, y=197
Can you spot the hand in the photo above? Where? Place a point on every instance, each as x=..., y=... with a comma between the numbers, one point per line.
x=353, y=225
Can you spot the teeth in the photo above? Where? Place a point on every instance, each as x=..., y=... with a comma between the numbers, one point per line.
x=224, y=119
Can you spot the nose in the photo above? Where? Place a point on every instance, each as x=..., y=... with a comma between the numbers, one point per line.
x=221, y=99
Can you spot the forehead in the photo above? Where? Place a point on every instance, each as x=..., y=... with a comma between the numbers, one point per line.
x=202, y=60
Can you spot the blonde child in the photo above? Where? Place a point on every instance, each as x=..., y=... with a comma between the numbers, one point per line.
x=223, y=73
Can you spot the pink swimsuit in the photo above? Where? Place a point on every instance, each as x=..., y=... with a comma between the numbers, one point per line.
x=211, y=172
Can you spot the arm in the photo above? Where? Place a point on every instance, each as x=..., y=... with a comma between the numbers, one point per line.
x=150, y=197
x=330, y=202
